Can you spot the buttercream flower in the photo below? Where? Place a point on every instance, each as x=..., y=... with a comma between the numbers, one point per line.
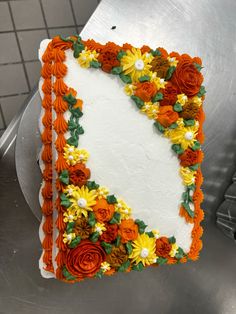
x=122, y=208
x=189, y=111
x=182, y=99
x=169, y=95
x=160, y=65
x=93, y=45
x=82, y=200
x=150, y=109
x=79, y=174
x=197, y=100
x=105, y=266
x=129, y=89
x=70, y=215
x=190, y=157
x=172, y=61
x=156, y=233
x=82, y=228
x=102, y=192
x=110, y=234
x=163, y=247
x=85, y=260
x=145, y=49
x=99, y=227
x=74, y=155
x=128, y=230
x=159, y=82
x=108, y=57
x=185, y=136
x=186, y=77
x=145, y=90
x=70, y=190
x=86, y=56
x=174, y=249
x=103, y=210
x=117, y=256
x=167, y=116
x=187, y=175
x=68, y=237
x=136, y=64
x=143, y=250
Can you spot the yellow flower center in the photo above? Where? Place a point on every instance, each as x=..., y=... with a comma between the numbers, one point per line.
x=82, y=202
x=188, y=136
x=139, y=64
x=144, y=252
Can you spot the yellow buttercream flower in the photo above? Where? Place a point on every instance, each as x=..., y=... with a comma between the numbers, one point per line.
x=143, y=250
x=136, y=64
x=102, y=192
x=182, y=99
x=122, y=208
x=187, y=175
x=156, y=233
x=105, y=266
x=185, y=136
x=67, y=238
x=75, y=155
x=172, y=61
x=82, y=199
x=150, y=109
x=70, y=215
x=129, y=89
x=197, y=100
x=174, y=249
x=99, y=227
x=159, y=82
x=86, y=56
x=70, y=189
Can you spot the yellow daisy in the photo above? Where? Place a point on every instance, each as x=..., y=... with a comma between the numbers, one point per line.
x=143, y=250
x=75, y=155
x=86, y=56
x=67, y=238
x=70, y=215
x=172, y=61
x=182, y=99
x=159, y=82
x=197, y=100
x=185, y=136
x=122, y=208
x=150, y=109
x=174, y=250
x=187, y=175
x=82, y=200
x=135, y=64
x=70, y=190
x=129, y=89
x=99, y=227
x=102, y=192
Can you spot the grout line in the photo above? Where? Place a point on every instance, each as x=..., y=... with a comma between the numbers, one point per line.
x=44, y=17
x=11, y=95
x=18, y=43
x=18, y=62
x=3, y=118
x=42, y=28
x=73, y=14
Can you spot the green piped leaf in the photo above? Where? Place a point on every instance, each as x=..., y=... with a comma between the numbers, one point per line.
x=159, y=127
x=64, y=177
x=138, y=101
x=124, y=266
x=91, y=219
x=161, y=260
x=150, y=234
x=196, y=145
x=76, y=112
x=177, y=149
x=197, y=66
x=94, y=236
x=92, y=185
x=189, y=122
x=115, y=219
x=125, y=78
x=95, y=64
x=144, y=78
x=177, y=107
x=75, y=242
x=66, y=39
x=67, y=275
x=172, y=240
x=107, y=247
x=155, y=52
x=157, y=97
x=77, y=47
x=138, y=267
x=118, y=241
x=180, y=253
x=111, y=199
x=170, y=72
x=70, y=226
x=72, y=125
x=79, y=130
x=99, y=274
x=194, y=167
x=70, y=99
x=129, y=248
x=141, y=225
x=202, y=91
x=73, y=141
x=121, y=54
x=65, y=201
x=173, y=126
x=116, y=70
x=188, y=209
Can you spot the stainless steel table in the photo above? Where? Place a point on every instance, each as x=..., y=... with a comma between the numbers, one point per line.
x=205, y=28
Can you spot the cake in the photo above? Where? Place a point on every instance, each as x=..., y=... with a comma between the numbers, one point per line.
x=121, y=131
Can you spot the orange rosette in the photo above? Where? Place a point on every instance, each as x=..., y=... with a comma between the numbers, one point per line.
x=163, y=247
x=79, y=174
x=103, y=210
x=145, y=90
x=167, y=116
x=128, y=230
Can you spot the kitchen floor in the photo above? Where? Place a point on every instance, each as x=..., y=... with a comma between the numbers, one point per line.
x=23, y=24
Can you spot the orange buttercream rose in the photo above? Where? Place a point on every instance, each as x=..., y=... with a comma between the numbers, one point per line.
x=128, y=230
x=167, y=116
x=79, y=174
x=108, y=57
x=186, y=77
x=169, y=95
x=145, y=90
x=163, y=247
x=190, y=157
x=103, y=210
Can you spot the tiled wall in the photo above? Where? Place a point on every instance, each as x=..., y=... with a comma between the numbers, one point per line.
x=23, y=24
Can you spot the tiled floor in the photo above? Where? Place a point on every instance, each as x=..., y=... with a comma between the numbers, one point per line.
x=23, y=24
